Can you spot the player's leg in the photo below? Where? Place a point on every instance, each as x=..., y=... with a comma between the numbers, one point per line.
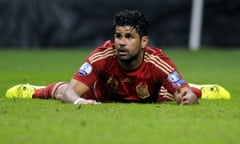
x=54, y=91
x=51, y=91
x=212, y=91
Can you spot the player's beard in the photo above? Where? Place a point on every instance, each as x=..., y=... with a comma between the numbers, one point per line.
x=128, y=59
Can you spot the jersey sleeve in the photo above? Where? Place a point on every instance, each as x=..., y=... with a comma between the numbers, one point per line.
x=167, y=72
x=85, y=74
x=94, y=64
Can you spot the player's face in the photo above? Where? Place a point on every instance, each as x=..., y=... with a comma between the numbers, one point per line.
x=129, y=45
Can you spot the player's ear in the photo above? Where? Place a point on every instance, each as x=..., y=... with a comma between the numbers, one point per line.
x=145, y=40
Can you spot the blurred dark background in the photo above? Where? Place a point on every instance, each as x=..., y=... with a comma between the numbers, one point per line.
x=74, y=23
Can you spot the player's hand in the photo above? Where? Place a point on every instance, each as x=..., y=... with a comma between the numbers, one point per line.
x=165, y=94
x=185, y=96
x=85, y=101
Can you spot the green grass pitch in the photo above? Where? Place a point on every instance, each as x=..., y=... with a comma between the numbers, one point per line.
x=50, y=121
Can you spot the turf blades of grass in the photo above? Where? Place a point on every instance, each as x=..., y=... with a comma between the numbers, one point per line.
x=50, y=121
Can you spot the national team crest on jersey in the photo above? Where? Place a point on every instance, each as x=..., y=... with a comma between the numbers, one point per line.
x=85, y=69
x=112, y=84
x=142, y=91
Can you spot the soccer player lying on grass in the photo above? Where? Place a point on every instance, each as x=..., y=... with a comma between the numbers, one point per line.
x=124, y=69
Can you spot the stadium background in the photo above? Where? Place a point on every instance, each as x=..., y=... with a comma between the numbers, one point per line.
x=73, y=23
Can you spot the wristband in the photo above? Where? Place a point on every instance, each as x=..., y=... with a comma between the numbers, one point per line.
x=77, y=101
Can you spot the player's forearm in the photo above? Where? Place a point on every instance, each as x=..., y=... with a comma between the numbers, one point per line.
x=70, y=96
x=74, y=91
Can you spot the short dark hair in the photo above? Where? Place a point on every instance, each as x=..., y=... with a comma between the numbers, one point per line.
x=132, y=18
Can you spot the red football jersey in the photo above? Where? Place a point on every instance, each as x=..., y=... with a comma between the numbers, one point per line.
x=108, y=82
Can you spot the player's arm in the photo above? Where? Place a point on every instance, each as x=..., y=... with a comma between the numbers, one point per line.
x=74, y=91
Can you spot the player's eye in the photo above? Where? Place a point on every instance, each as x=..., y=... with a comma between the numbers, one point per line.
x=117, y=35
x=128, y=36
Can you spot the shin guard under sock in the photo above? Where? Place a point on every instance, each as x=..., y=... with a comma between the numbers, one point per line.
x=47, y=92
x=197, y=91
